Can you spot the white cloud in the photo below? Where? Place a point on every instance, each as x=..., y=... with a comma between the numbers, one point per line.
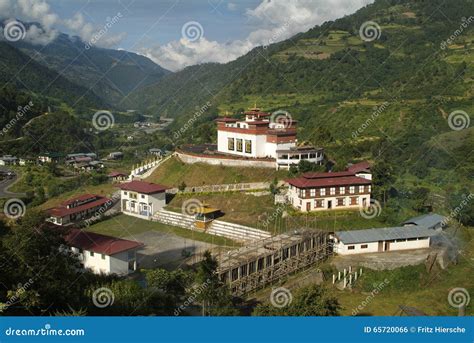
x=276, y=21
x=39, y=11
x=231, y=6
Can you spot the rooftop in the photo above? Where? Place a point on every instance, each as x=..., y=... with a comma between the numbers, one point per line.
x=63, y=210
x=302, y=182
x=382, y=234
x=359, y=167
x=143, y=187
x=426, y=220
x=98, y=243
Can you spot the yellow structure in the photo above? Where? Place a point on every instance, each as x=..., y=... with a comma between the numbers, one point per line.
x=204, y=216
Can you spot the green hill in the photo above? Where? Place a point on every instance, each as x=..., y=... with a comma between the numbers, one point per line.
x=386, y=99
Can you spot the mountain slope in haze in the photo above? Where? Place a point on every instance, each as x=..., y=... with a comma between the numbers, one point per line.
x=386, y=98
x=21, y=71
x=111, y=74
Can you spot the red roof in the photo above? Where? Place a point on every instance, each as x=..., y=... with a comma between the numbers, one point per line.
x=302, y=182
x=116, y=173
x=142, y=187
x=62, y=210
x=227, y=120
x=327, y=175
x=358, y=167
x=79, y=198
x=98, y=243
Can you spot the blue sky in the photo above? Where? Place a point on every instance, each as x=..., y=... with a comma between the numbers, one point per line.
x=176, y=33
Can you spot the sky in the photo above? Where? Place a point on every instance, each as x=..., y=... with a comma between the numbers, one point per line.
x=175, y=33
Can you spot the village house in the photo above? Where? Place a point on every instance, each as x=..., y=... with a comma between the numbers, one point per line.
x=259, y=137
x=116, y=176
x=381, y=240
x=116, y=155
x=431, y=221
x=78, y=208
x=8, y=160
x=103, y=254
x=156, y=152
x=142, y=199
x=50, y=157
x=328, y=191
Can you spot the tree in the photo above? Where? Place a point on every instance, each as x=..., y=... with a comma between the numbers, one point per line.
x=312, y=300
x=214, y=295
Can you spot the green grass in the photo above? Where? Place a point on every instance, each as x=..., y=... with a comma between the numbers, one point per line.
x=173, y=172
x=127, y=226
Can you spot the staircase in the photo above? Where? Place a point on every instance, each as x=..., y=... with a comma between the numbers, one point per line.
x=236, y=232
x=232, y=231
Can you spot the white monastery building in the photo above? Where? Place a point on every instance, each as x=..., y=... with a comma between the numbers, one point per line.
x=103, y=254
x=382, y=240
x=142, y=199
x=328, y=191
x=261, y=136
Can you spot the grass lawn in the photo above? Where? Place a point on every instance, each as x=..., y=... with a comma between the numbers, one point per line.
x=261, y=212
x=173, y=172
x=126, y=226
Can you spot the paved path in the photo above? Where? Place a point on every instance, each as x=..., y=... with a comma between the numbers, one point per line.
x=6, y=183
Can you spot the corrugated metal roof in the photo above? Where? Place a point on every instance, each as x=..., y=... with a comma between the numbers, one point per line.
x=427, y=220
x=383, y=234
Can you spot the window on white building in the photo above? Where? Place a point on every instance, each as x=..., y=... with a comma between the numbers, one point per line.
x=239, y=145
x=102, y=256
x=351, y=247
x=332, y=190
x=369, y=188
x=312, y=192
x=364, y=246
x=248, y=147
x=322, y=191
x=230, y=144
x=303, y=193
x=342, y=190
x=91, y=253
x=351, y=189
x=361, y=189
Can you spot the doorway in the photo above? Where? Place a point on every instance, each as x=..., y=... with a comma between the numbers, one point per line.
x=329, y=204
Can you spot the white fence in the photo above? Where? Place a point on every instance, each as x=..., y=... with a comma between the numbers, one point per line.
x=147, y=169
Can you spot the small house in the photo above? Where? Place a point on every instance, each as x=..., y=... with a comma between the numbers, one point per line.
x=142, y=199
x=431, y=221
x=8, y=160
x=116, y=176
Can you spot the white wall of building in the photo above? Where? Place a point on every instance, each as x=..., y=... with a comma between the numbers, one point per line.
x=301, y=203
x=105, y=264
x=258, y=144
x=343, y=249
x=141, y=205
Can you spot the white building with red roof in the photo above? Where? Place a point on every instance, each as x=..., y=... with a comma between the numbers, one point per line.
x=78, y=208
x=264, y=135
x=329, y=191
x=103, y=254
x=142, y=199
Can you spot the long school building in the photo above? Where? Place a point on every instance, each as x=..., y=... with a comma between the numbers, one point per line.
x=328, y=191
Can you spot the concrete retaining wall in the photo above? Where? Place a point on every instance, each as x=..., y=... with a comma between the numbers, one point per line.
x=229, y=162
